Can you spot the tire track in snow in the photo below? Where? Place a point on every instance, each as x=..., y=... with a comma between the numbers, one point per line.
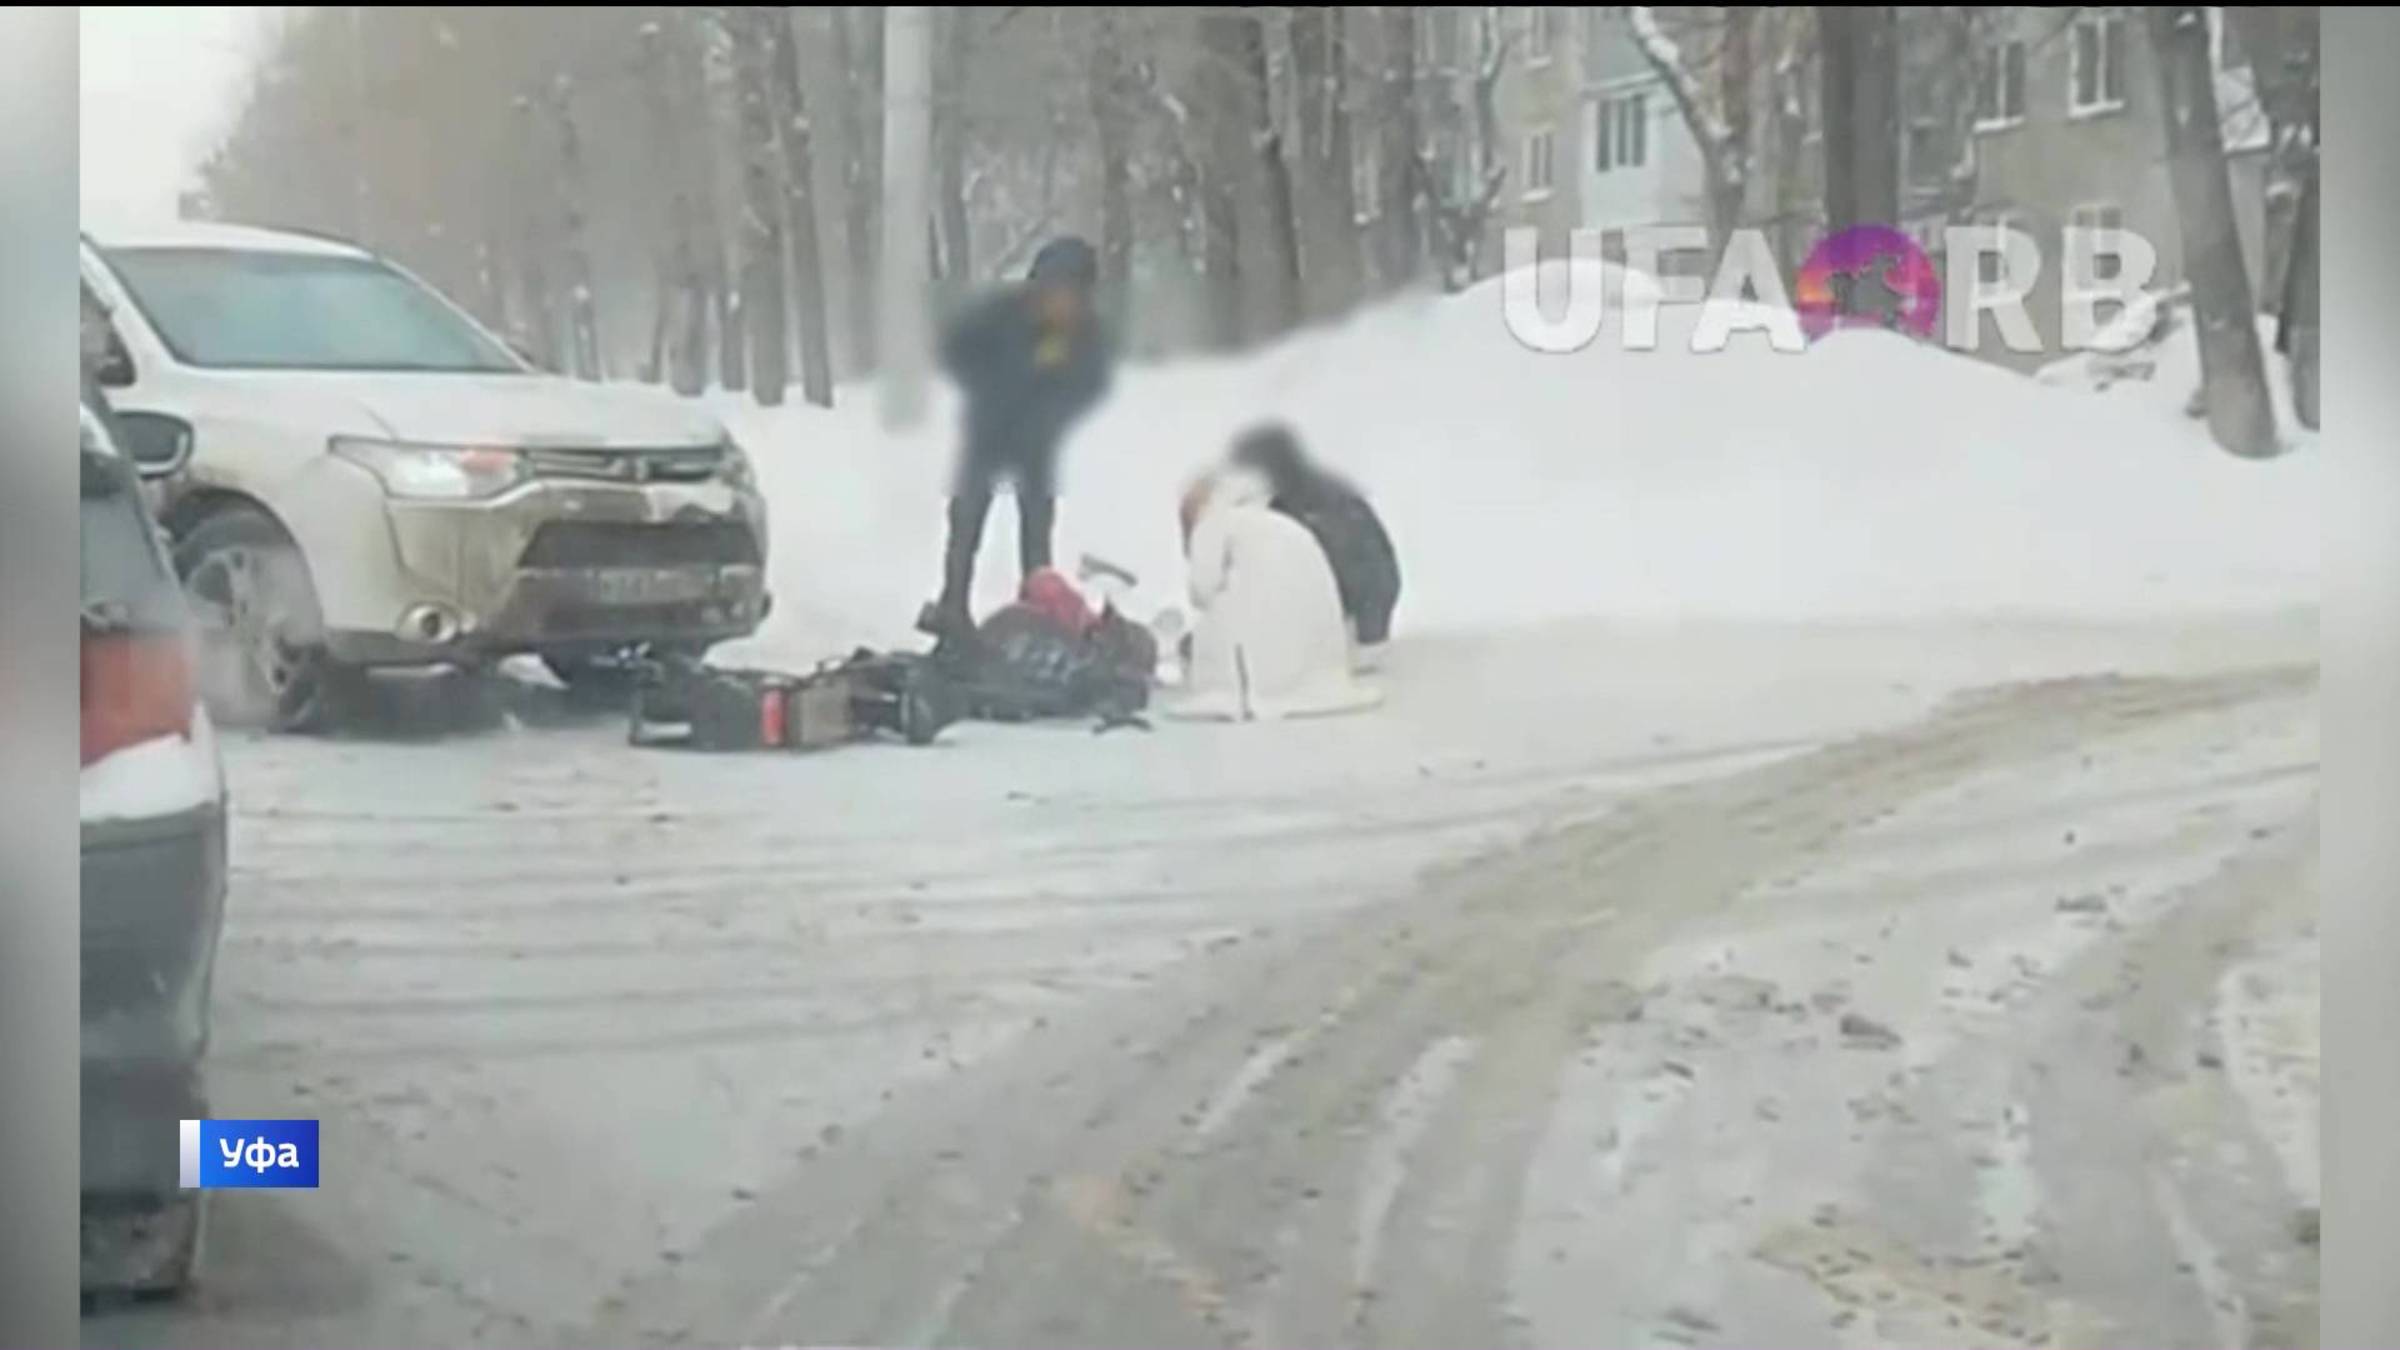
x=1430, y=966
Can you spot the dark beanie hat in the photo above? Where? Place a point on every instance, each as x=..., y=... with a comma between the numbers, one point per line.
x=1066, y=259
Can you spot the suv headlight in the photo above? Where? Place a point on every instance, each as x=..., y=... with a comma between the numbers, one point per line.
x=435, y=472
x=733, y=466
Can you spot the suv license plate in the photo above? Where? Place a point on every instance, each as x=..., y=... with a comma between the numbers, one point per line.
x=648, y=588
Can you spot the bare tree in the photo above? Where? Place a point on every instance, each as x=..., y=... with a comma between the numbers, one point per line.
x=800, y=203
x=950, y=125
x=2233, y=378
x=1718, y=117
x=583, y=314
x=858, y=54
x=1461, y=200
x=1400, y=236
x=1793, y=80
x=1112, y=101
x=762, y=214
x=1288, y=299
x=1228, y=164
x=683, y=312
x=537, y=327
x=1331, y=244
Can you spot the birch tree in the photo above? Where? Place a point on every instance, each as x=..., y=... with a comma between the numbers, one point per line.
x=1717, y=112
x=1461, y=202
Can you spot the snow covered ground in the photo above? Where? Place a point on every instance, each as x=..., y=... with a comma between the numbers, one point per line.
x=1676, y=957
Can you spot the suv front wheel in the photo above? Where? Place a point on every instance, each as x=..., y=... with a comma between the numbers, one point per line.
x=262, y=654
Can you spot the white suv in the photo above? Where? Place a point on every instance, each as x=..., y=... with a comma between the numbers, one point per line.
x=355, y=473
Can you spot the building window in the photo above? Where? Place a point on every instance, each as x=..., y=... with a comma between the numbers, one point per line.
x=1918, y=151
x=1540, y=40
x=1540, y=166
x=2104, y=221
x=1991, y=265
x=2000, y=95
x=2098, y=79
x=1620, y=132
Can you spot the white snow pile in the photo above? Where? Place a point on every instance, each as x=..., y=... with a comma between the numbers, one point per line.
x=1869, y=477
x=165, y=776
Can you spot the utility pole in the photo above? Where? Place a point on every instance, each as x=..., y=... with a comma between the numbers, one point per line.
x=907, y=165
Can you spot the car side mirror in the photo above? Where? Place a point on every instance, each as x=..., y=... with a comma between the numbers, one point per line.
x=158, y=445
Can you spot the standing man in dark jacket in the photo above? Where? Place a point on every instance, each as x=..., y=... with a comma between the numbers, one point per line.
x=1029, y=361
x=1366, y=568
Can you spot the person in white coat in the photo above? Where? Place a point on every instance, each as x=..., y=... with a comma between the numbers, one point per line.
x=1269, y=639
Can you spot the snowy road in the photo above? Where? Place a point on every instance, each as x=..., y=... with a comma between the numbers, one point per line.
x=1612, y=985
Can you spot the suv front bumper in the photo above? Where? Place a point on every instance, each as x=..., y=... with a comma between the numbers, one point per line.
x=566, y=566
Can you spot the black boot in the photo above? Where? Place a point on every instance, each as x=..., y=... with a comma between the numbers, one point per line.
x=949, y=616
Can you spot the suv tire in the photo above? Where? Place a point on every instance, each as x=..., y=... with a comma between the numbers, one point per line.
x=262, y=657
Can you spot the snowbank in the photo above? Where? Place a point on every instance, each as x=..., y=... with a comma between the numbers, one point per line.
x=2163, y=375
x=1869, y=477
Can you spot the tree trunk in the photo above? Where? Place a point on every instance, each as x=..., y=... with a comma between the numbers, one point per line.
x=583, y=317
x=1729, y=184
x=537, y=324
x=2282, y=46
x=800, y=198
x=951, y=123
x=682, y=290
x=1400, y=237
x=1793, y=213
x=1228, y=161
x=762, y=214
x=2232, y=372
x=1112, y=111
x=1330, y=256
x=858, y=51
x=1858, y=79
x=1283, y=225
